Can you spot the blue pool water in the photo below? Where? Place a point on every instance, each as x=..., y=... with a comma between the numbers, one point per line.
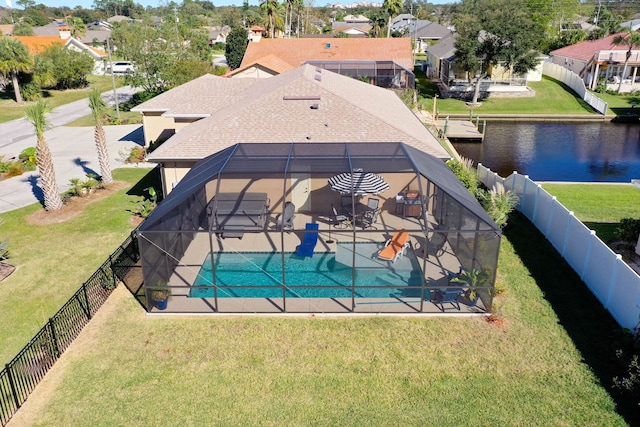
x=259, y=275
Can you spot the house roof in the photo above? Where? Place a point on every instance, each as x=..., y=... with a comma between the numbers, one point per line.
x=444, y=49
x=298, y=51
x=51, y=29
x=38, y=44
x=431, y=30
x=99, y=35
x=269, y=62
x=95, y=53
x=585, y=50
x=633, y=25
x=7, y=29
x=327, y=107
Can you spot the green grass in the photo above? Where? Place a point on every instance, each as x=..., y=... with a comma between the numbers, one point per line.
x=10, y=110
x=599, y=206
x=126, y=117
x=54, y=260
x=550, y=364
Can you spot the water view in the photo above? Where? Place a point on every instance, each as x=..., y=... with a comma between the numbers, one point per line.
x=580, y=152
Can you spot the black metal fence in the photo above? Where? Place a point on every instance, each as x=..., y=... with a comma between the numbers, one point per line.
x=21, y=375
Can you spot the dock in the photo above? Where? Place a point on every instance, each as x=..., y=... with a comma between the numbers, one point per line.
x=460, y=130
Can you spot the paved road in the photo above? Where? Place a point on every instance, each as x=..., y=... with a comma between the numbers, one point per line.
x=73, y=150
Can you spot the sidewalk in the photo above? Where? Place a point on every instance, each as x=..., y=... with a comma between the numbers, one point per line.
x=73, y=150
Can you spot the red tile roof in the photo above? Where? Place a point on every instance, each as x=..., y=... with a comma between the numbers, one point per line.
x=298, y=51
x=38, y=44
x=586, y=49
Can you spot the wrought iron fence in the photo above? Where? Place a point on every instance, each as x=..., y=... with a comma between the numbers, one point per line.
x=21, y=375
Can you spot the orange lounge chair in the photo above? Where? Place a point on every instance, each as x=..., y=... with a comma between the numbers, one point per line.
x=395, y=247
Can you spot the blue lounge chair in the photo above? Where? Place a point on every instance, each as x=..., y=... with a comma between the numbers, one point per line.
x=448, y=295
x=309, y=241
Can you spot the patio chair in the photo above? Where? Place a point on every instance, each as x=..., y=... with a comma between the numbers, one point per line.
x=448, y=294
x=309, y=241
x=340, y=221
x=395, y=247
x=372, y=203
x=369, y=219
x=286, y=219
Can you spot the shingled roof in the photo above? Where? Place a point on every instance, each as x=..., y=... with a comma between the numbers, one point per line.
x=585, y=50
x=307, y=104
x=298, y=51
x=38, y=44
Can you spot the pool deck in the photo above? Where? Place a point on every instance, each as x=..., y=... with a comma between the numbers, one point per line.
x=436, y=267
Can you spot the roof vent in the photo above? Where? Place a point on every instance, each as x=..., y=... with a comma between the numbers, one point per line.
x=301, y=98
x=318, y=77
x=314, y=106
x=327, y=46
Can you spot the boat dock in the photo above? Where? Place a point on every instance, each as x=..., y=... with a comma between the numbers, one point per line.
x=460, y=130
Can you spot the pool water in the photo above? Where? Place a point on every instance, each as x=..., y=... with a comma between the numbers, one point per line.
x=259, y=275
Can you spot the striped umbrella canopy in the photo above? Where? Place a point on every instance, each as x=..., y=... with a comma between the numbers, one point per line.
x=358, y=183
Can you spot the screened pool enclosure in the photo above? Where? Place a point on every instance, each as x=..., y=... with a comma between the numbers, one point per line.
x=296, y=228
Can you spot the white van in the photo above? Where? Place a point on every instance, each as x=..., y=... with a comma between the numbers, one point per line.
x=121, y=67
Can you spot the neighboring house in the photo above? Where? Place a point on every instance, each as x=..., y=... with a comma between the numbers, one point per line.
x=120, y=18
x=359, y=19
x=440, y=56
x=402, y=22
x=38, y=44
x=307, y=104
x=579, y=24
x=256, y=33
x=218, y=34
x=633, y=25
x=55, y=28
x=92, y=37
x=427, y=33
x=99, y=56
x=99, y=25
x=599, y=60
x=383, y=62
x=352, y=30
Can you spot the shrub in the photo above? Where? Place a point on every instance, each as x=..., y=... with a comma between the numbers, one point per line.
x=628, y=230
x=16, y=169
x=499, y=203
x=466, y=173
x=28, y=157
x=147, y=204
x=135, y=155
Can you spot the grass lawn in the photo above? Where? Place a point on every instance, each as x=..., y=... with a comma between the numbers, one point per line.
x=550, y=363
x=599, y=206
x=552, y=97
x=10, y=110
x=126, y=118
x=54, y=260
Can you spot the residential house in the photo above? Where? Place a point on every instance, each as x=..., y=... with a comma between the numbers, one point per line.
x=350, y=29
x=38, y=44
x=6, y=29
x=218, y=34
x=402, y=22
x=426, y=33
x=54, y=28
x=599, y=61
x=633, y=25
x=99, y=56
x=383, y=62
x=307, y=104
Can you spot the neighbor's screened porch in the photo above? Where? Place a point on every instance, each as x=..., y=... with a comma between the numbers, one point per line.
x=230, y=237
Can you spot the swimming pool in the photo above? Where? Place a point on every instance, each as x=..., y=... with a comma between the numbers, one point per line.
x=259, y=275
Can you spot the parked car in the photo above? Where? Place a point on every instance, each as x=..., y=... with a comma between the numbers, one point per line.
x=121, y=67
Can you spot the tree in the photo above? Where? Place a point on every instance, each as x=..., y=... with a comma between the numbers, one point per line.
x=631, y=39
x=98, y=109
x=71, y=68
x=491, y=33
x=392, y=7
x=271, y=8
x=237, y=41
x=36, y=115
x=23, y=29
x=78, y=29
x=14, y=59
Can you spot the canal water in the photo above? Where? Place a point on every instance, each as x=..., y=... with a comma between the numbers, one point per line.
x=580, y=152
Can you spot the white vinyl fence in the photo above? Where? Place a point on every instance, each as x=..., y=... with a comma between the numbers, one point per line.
x=610, y=279
x=576, y=83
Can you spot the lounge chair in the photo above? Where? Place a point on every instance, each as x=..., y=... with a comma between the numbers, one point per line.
x=395, y=247
x=340, y=221
x=309, y=241
x=286, y=219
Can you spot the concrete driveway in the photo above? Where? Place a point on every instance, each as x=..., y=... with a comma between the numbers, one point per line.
x=73, y=150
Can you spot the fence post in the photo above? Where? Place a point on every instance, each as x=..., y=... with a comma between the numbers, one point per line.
x=535, y=204
x=52, y=329
x=86, y=300
x=524, y=193
x=12, y=385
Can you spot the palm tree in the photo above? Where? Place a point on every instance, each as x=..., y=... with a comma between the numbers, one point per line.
x=14, y=59
x=98, y=108
x=631, y=39
x=78, y=29
x=392, y=7
x=271, y=7
x=36, y=115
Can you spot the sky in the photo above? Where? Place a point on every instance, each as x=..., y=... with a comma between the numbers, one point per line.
x=88, y=4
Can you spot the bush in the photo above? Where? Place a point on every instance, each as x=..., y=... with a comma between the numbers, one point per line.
x=28, y=157
x=466, y=173
x=628, y=230
x=139, y=98
x=499, y=203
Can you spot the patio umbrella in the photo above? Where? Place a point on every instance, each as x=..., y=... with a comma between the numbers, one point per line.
x=358, y=183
